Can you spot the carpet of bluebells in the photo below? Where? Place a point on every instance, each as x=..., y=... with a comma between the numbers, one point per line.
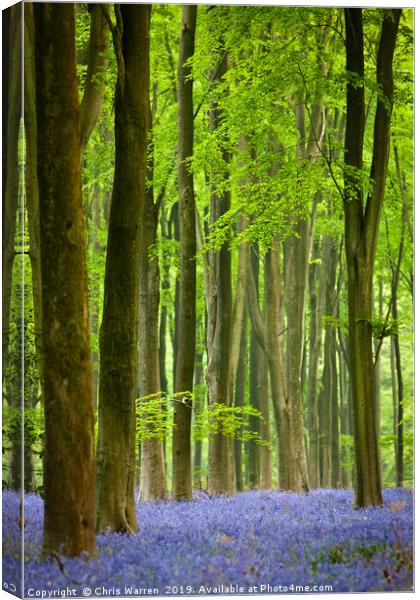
x=253, y=539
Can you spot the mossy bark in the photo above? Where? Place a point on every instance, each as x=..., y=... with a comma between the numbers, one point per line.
x=119, y=329
x=69, y=484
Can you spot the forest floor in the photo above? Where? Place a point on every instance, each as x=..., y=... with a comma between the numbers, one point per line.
x=255, y=542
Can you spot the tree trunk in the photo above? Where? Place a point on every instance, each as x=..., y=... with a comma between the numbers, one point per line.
x=398, y=394
x=221, y=471
x=265, y=430
x=199, y=402
x=69, y=488
x=377, y=364
x=256, y=358
x=95, y=288
x=240, y=401
x=326, y=396
x=12, y=61
x=296, y=253
x=186, y=322
x=270, y=336
x=163, y=323
x=31, y=178
x=335, y=422
x=119, y=330
x=174, y=227
x=361, y=229
x=274, y=298
x=93, y=95
x=152, y=469
x=315, y=334
x=345, y=475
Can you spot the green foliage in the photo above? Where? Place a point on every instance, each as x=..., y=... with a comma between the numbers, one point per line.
x=33, y=426
x=154, y=420
x=346, y=451
x=231, y=421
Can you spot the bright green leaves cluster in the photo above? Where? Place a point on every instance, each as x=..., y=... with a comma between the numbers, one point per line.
x=154, y=418
x=230, y=421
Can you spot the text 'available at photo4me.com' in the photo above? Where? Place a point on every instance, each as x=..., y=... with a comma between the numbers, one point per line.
x=173, y=590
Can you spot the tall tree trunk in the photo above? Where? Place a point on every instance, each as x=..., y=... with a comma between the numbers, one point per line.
x=12, y=61
x=270, y=334
x=264, y=427
x=240, y=401
x=335, y=414
x=163, y=323
x=361, y=230
x=152, y=469
x=199, y=402
x=377, y=363
x=221, y=471
x=119, y=330
x=93, y=96
x=316, y=301
x=256, y=358
x=326, y=396
x=174, y=228
x=296, y=256
x=95, y=287
x=296, y=253
x=398, y=394
x=31, y=177
x=181, y=447
x=90, y=108
x=344, y=418
x=32, y=207
x=69, y=486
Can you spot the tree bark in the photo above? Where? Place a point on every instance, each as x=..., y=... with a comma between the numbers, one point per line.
x=69, y=488
x=361, y=229
x=93, y=95
x=296, y=253
x=316, y=301
x=119, y=330
x=335, y=418
x=326, y=396
x=296, y=256
x=31, y=176
x=163, y=323
x=152, y=469
x=186, y=322
x=274, y=301
x=221, y=471
x=240, y=401
x=199, y=402
x=12, y=61
x=256, y=358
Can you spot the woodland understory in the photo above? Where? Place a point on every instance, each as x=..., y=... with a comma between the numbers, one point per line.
x=208, y=226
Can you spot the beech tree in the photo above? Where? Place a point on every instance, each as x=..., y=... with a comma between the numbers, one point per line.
x=119, y=329
x=69, y=489
x=361, y=231
x=219, y=317
x=184, y=374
